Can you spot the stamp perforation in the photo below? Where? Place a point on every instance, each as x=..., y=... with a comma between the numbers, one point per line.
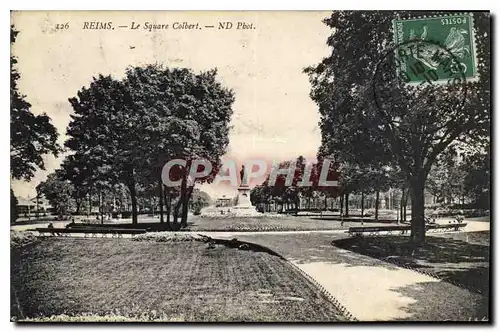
x=471, y=31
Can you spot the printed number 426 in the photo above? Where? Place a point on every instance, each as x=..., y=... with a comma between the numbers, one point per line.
x=63, y=26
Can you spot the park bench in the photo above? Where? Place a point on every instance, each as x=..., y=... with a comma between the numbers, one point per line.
x=404, y=229
x=360, y=230
x=93, y=232
x=445, y=227
x=155, y=226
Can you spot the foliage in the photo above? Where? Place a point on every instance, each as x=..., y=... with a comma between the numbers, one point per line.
x=446, y=177
x=199, y=200
x=477, y=180
x=408, y=134
x=57, y=191
x=32, y=136
x=14, y=212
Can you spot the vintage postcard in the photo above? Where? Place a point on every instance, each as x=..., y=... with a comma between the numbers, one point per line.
x=250, y=166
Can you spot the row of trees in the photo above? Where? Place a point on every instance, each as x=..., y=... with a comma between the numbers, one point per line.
x=454, y=178
x=461, y=178
x=290, y=194
x=408, y=134
x=66, y=198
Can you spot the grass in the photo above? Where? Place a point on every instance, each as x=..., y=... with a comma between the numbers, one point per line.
x=447, y=256
x=76, y=279
x=303, y=248
x=481, y=238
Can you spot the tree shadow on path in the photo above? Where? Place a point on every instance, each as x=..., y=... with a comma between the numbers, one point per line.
x=443, y=305
x=311, y=248
x=455, y=261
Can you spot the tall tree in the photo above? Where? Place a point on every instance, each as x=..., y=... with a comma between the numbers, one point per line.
x=14, y=213
x=477, y=181
x=32, y=136
x=57, y=191
x=101, y=135
x=182, y=115
x=413, y=134
x=80, y=172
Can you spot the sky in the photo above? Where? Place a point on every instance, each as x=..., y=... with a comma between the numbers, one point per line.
x=273, y=119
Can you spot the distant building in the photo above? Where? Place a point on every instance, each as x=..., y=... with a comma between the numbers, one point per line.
x=27, y=206
x=224, y=201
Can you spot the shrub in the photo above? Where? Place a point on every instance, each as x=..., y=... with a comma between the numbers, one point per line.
x=14, y=213
x=20, y=239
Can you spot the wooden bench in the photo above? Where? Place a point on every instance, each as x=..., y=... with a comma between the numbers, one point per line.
x=154, y=226
x=445, y=227
x=115, y=232
x=359, y=230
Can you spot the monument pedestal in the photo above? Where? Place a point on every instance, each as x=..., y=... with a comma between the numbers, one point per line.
x=244, y=206
x=243, y=196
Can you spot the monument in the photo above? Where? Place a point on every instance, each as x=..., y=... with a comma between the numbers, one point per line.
x=243, y=205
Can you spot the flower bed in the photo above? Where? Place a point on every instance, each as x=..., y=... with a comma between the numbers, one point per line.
x=166, y=237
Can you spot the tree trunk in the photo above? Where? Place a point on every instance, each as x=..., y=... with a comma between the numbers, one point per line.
x=362, y=204
x=37, y=207
x=297, y=205
x=185, y=206
x=152, y=204
x=401, y=203
x=168, y=205
x=405, y=204
x=341, y=205
x=175, y=213
x=78, y=205
x=160, y=183
x=417, y=211
x=377, y=196
x=347, y=205
x=133, y=198
x=100, y=206
x=90, y=201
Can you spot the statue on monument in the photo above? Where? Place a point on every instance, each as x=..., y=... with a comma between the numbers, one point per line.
x=242, y=175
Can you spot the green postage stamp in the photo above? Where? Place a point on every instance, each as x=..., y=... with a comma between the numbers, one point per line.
x=434, y=49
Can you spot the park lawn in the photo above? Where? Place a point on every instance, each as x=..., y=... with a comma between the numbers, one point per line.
x=102, y=279
x=480, y=238
x=460, y=258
